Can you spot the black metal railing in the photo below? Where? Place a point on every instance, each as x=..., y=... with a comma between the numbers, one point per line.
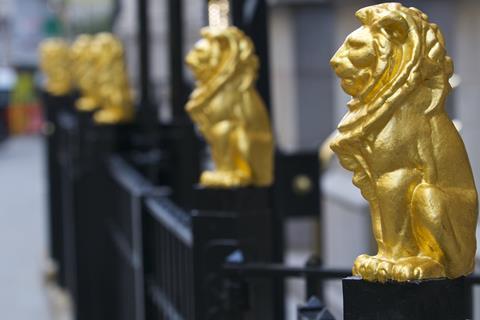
x=129, y=251
x=169, y=261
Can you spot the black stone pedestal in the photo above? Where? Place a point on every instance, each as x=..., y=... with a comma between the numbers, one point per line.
x=253, y=214
x=252, y=222
x=440, y=299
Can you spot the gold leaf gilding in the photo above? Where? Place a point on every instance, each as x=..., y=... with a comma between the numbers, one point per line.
x=228, y=110
x=406, y=156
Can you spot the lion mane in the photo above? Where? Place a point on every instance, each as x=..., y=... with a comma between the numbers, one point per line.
x=232, y=58
x=399, y=70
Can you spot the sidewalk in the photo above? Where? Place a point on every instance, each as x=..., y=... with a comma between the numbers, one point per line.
x=23, y=242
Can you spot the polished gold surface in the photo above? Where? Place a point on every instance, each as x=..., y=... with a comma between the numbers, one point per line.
x=84, y=74
x=100, y=73
x=406, y=156
x=325, y=153
x=55, y=64
x=228, y=110
x=114, y=91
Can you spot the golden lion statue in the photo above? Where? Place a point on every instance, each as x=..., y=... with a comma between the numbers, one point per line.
x=228, y=110
x=55, y=63
x=99, y=66
x=406, y=156
x=84, y=73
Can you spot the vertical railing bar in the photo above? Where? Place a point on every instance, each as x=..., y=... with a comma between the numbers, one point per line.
x=162, y=264
x=175, y=34
x=144, y=55
x=178, y=276
x=256, y=27
x=169, y=252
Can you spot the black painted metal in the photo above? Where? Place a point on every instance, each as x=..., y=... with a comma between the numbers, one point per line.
x=183, y=170
x=77, y=159
x=66, y=126
x=144, y=56
x=272, y=270
x=314, y=287
x=290, y=202
x=314, y=310
x=251, y=17
x=52, y=106
x=123, y=279
x=441, y=299
x=290, y=167
x=81, y=200
x=178, y=88
x=131, y=253
x=182, y=255
x=254, y=220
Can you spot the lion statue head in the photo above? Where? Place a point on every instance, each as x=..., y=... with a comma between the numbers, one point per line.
x=55, y=63
x=222, y=59
x=394, y=51
x=228, y=110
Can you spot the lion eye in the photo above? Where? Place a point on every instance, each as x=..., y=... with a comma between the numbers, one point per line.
x=356, y=43
x=362, y=58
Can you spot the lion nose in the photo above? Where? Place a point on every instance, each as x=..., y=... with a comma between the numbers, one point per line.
x=335, y=63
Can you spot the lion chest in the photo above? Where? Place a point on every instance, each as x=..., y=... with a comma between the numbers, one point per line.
x=219, y=110
x=395, y=145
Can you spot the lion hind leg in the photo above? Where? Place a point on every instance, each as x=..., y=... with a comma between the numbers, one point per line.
x=440, y=221
x=231, y=168
x=260, y=159
x=86, y=104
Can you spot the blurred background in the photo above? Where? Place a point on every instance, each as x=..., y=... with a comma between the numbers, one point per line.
x=306, y=103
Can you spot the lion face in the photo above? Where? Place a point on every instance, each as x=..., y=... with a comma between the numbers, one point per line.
x=355, y=60
x=55, y=63
x=201, y=59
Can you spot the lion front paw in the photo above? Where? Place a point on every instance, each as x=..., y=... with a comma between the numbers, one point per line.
x=110, y=116
x=86, y=104
x=224, y=179
x=417, y=268
x=372, y=268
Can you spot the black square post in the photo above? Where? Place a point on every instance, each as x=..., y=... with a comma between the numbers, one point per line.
x=250, y=208
x=251, y=17
x=440, y=299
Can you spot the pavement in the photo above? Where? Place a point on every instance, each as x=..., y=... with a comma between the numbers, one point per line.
x=23, y=243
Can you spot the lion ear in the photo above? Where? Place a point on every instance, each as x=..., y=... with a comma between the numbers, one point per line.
x=394, y=26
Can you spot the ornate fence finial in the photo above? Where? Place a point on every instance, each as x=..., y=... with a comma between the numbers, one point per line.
x=99, y=66
x=113, y=88
x=84, y=73
x=406, y=156
x=55, y=63
x=229, y=111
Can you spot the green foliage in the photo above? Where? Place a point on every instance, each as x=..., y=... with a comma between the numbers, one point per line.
x=24, y=90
